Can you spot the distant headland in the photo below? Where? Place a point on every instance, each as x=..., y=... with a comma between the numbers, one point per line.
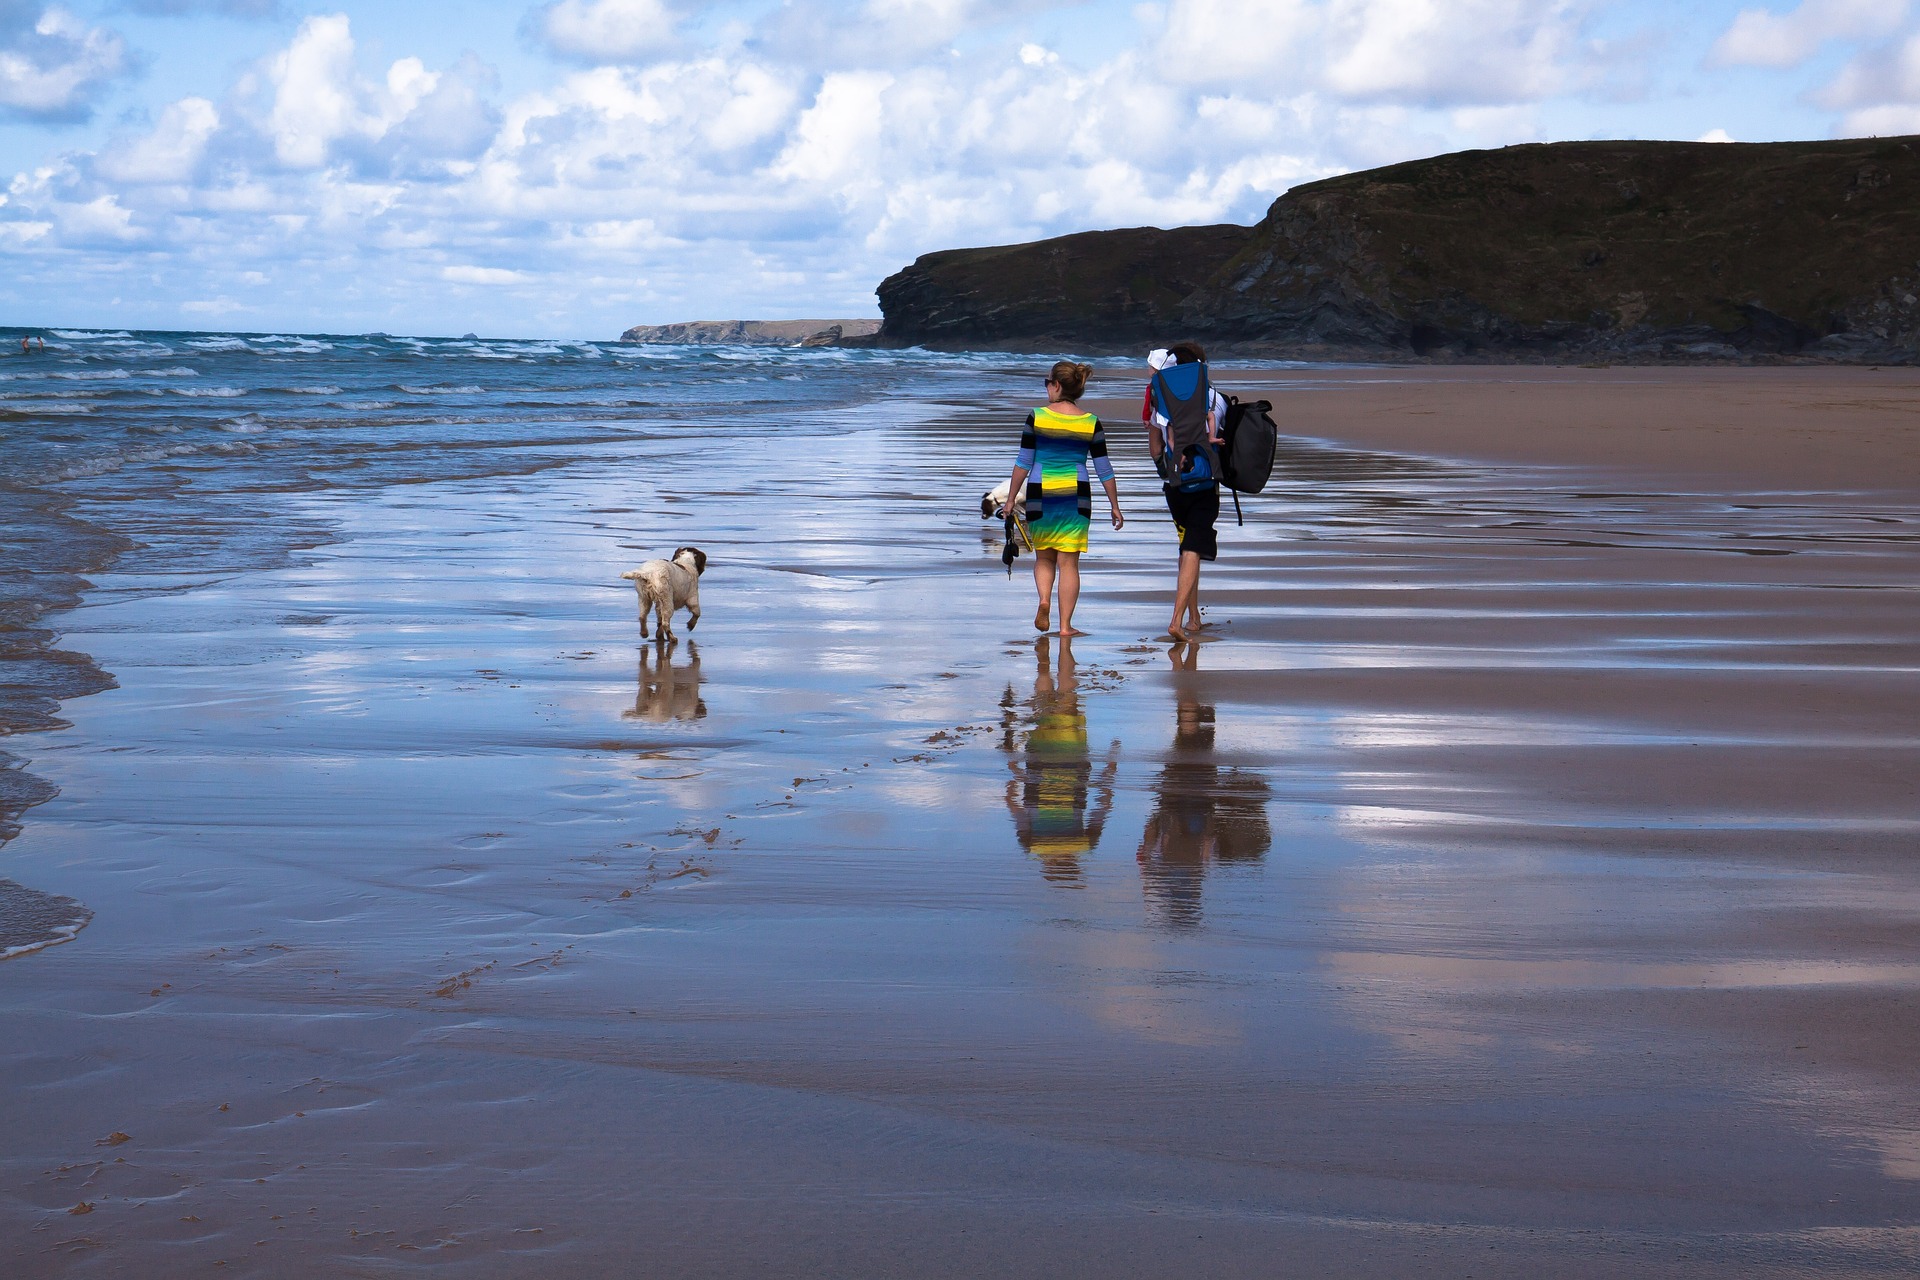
x=1631, y=251
x=754, y=333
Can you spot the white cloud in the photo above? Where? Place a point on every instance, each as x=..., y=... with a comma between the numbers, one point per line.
x=1715, y=135
x=170, y=152
x=1763, y=38
x=876, y=33
x=605, y=31
x=837, y=139
x=234, y=8
x=1891, y=120
x=324, y=110
x=483, y=275
x=1216, y=41
x=1878, y=89
x=315, y=100
x=52, y=64
x=1478, y=52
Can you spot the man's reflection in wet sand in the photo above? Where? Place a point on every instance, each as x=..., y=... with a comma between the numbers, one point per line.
x=1202, y=814
x=667, y=691
x=1053, y=771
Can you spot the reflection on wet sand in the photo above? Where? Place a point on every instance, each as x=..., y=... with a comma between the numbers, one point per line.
x=1053, y=769
x=667, y=691
x=1202, y=814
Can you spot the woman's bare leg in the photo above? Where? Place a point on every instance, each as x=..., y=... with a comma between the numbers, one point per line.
x=1069, y=591
x=1044, y=565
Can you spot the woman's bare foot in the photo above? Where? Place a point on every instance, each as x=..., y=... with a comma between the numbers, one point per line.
x=1071, y=630
x=1043, y=616
x=1174, y=632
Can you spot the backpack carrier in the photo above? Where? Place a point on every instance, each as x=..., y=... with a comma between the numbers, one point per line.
x=1181, y=393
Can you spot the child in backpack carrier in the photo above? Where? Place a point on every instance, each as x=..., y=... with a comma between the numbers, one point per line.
x=1183, y=414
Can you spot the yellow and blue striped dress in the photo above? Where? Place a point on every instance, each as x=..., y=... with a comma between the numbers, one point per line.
x=1054, y=449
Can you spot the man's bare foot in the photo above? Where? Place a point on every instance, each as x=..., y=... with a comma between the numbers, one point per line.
x=1043, y=616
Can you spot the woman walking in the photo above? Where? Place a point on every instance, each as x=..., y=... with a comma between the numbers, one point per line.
x=1054, y=450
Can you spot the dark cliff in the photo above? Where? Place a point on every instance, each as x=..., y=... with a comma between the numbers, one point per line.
x=1616, y=249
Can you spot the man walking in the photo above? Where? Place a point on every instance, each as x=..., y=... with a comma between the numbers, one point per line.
x=1183, y=414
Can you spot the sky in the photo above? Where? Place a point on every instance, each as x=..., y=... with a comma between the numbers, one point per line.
x=569, y=168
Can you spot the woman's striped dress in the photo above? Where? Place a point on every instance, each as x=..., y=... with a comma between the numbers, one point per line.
x=1054, y=450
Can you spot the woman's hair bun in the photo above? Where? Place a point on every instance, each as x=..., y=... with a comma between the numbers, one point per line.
x=1071, y=377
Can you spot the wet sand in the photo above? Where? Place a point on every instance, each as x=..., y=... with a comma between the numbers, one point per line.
x=1521, y=880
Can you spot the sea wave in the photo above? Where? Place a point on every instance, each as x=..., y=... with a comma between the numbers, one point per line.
x=12, y=407
x=31, y=920
x=202, y=393
x=63, y=375
x=108, y=463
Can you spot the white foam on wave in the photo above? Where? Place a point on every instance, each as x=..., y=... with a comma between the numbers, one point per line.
x=219, y=344
x=107, y=464
x=66, y=375
x=31, y=920
x=201, y=393
x=179, y=372
x=324, y=390
x=88, y=335
x=20, y=406
x=442, y=390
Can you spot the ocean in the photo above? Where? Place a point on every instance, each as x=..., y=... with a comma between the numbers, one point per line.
x=180, y=452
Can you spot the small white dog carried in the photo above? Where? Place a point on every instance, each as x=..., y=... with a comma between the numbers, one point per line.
x=667, y=585
x=993, y=503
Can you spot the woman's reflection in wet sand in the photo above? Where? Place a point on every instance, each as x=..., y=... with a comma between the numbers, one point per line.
x=1053, y=778
x=1202, y=814
x=667, y=691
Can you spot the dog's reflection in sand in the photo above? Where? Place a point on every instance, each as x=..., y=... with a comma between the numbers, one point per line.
x=1058, y=805
x=1202, y=814
x=668, y=690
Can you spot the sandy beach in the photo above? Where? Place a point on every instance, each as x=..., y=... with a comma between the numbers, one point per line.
x=1519, y=881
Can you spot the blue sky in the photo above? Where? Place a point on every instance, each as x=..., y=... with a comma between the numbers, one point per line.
x=571, y=167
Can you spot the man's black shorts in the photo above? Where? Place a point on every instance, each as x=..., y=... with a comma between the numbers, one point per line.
x=1194, y=515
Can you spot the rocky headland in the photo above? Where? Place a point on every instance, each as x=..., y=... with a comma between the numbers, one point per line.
x=754, y=333
x=1638, y=251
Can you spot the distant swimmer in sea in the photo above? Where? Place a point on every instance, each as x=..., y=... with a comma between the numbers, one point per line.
x=26, y=350
x=1055, y=447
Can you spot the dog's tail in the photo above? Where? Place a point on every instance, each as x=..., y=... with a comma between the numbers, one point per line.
x=632, y=575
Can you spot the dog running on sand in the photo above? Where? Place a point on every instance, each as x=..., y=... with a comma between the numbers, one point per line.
x=667, y=585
